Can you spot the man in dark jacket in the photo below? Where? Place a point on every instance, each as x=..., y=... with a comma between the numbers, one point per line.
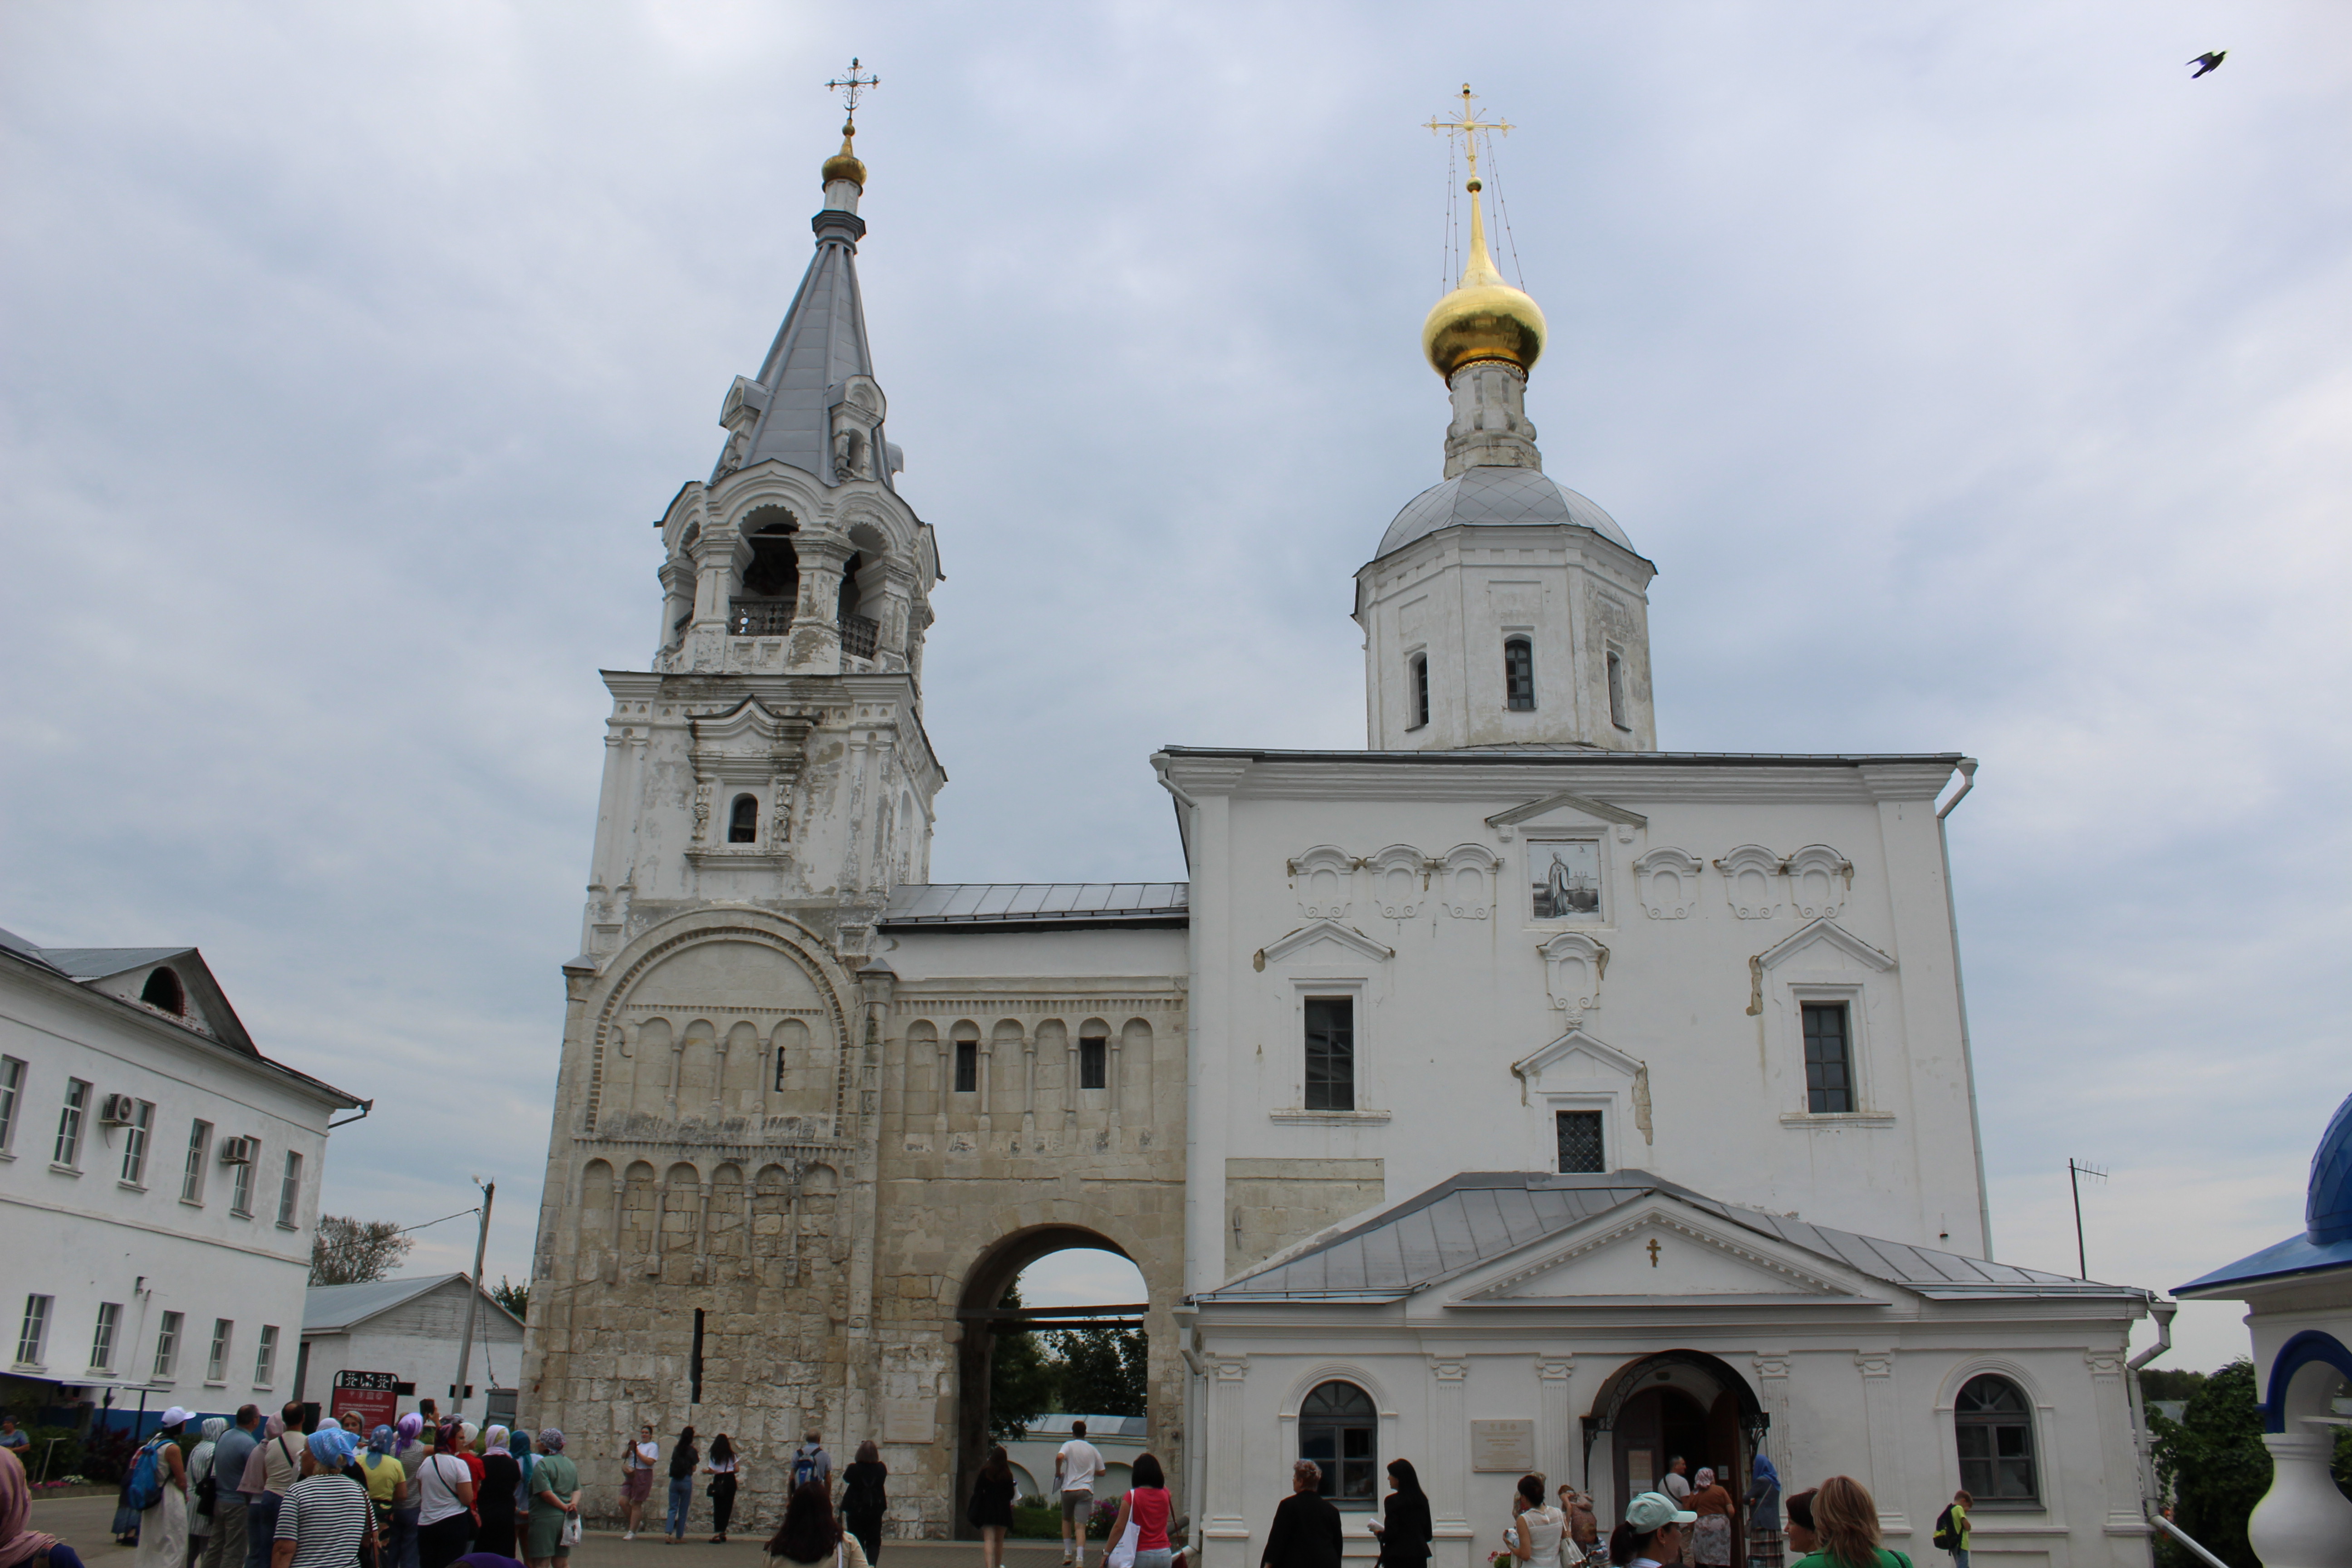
x=1306, y=1532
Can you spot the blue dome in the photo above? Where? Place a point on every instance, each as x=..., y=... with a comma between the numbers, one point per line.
x=1498, y=497
x=2328, y=1211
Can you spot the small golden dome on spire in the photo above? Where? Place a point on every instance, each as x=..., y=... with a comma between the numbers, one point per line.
x=1484, y=318
x=844, y=164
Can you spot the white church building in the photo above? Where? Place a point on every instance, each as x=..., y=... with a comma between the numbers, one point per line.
x=1509, y=1095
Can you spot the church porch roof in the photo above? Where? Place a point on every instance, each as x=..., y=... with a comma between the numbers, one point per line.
x=997, y=906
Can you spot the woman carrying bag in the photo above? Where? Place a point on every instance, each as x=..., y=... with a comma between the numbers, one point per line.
x=1405, y=1530
x=991, y=1506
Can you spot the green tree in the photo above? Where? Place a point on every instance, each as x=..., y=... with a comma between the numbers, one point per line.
x=2213, y=1464
x=1022, y=1380
x=347, y=1251
x=2164, y=1383
x=1104, y=1371
x=515, y=1299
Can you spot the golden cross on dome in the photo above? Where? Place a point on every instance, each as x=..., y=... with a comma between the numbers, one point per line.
x=852, y=84
x=1468, y=127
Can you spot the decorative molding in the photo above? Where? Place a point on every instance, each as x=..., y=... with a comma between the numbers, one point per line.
x=1819, y=881
x=1831, y=1120
x=1657, y=1218
x=1874, y=1363
x=1574, y=966
x=1828, y=930
x=1325, y=931
x=1666, y=883
x=1576, y=1042
x=1325, y=880
x=1750, y=882
x=1571, y=801
x=1770, y=1365
x=1327, y=1118
x=1468, y=876
x=1400, y=881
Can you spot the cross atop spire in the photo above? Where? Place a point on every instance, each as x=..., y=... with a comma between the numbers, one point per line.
x=851, y=86
x=1467, y=128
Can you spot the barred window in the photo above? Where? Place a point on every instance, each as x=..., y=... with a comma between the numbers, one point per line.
x=1829, y=1059
x=967, y=1067
x=1330, y=1053
x=1580, y=1141
x=1094, y=1062
x=1518, y=675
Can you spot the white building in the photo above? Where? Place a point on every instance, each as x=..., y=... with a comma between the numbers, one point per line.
x=409, y=1331
x=1510, y=1095
x=159, y=1182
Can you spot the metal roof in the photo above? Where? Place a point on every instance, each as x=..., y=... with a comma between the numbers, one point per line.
x=1487, y=756
x=1498, y=497
x=820, y=346
x=1000, y=904
x=330, y=1308
x=98, y=962
x=1478, y=1216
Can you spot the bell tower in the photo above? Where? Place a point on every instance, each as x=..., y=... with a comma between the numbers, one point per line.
x=1502, y=608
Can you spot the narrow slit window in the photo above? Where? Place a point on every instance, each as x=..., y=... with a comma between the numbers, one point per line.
x=967, y=1067
x=694, y=1363
x=1518, y=676
x=1330, y=1053
x=1829, y=1059
x=1094, y=1062
x=67, y=1150
x=743, y=820
x=1617, y=692
x=1419, y=691
x=1580, y=1141
x=290, y=1189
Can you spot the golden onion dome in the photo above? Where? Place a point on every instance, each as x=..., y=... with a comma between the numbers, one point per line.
x=1484, y=318
x=844, y=164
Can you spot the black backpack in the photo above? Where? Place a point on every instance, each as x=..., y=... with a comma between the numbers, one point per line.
x=864, y=1494
x=1947, y=1537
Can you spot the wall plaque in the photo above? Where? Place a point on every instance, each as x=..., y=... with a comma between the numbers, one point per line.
x=1503, y=1446
x=909, y=1420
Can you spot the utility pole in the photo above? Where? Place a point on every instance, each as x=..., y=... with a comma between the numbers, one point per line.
x=2075, y=1171
x=473, y=1301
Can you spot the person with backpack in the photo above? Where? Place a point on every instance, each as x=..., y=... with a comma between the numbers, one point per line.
x=721, y=1471
x=158, y=1488
x=812, y=1463
x=1952, y=1528
x=685, y=1459
x=865, y=1499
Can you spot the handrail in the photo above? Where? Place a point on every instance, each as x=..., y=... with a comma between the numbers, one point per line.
x=2185, y=1539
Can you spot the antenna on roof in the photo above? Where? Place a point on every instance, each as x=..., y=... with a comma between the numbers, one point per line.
x=2075, y=1171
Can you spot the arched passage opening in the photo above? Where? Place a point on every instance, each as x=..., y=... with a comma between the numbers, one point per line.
x=1675, y=1405
x=1035, y=1286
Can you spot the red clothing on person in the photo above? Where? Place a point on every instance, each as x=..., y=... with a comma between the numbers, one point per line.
x=1148, y=1506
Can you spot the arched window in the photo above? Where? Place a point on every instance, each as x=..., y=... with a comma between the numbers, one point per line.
x=1518, y=675
x=857, y=629
x=163, y=990
x=771, y=582
x=1339, y=1429
x=1617, y=692
x=1420, y=700
x=743, y=820
x=1994, y=1425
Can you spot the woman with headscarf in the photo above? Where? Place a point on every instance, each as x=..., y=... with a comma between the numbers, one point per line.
x=1711, y=1536
x=444, y=1502
x=469, y=1449
x=21, y=1546
x=408, y=1450
x=274, y=1458
x=409, y=1443
x=554, y=1502
x=501, y=1476
x=519, y=1445
x=200, y=1470
x=809, y=1537
x=163, y=1526
x=386, y=1480
x=326, y=1516
x=1763, y=1499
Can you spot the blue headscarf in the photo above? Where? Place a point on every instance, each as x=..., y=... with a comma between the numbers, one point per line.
x=520, y=1447
x=333, y=1447
x=379, y=1446
x=1762, y=1470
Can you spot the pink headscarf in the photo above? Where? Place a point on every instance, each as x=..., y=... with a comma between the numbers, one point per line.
x=255, y=1479
x=17, y=1544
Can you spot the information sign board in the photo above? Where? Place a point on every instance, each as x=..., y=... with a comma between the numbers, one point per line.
x=372, y=1396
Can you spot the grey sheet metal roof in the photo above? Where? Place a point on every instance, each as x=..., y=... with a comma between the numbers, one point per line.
x=1478, y=1216
x=820, y=346
x=1000, y=904
x=330, y=1308
x=1498, y=497
x=98, y=962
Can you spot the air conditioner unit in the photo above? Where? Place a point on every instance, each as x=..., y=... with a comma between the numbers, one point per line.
x=118, y=1110
x=238, y=1150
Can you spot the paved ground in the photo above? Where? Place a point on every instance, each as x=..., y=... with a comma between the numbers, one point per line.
x=84, y=1525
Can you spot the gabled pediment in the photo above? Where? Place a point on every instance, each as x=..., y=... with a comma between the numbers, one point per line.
x=1825, y=932
x=749, y=721
x=1661, y=1247
x=1576, y=1054
x=1343, y=938
x=1567, y=800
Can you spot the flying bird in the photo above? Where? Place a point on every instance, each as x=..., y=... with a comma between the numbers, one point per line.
x=2209, y=61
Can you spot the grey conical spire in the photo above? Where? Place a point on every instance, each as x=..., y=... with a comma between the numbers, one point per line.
x=818, y=361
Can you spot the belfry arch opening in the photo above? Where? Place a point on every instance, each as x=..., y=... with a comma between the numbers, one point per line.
x=771, y=577
x=1679, y=1404
x=1023, y=1291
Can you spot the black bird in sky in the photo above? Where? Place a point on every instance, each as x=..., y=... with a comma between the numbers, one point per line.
x=2211, y=59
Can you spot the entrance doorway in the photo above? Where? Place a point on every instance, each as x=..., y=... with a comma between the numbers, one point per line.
x=1683, y=1405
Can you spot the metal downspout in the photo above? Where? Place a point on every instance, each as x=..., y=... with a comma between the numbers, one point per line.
x=1959, y=991
x=2150, y=1504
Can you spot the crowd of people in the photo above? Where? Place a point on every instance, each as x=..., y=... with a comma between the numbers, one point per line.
x=422, y=1493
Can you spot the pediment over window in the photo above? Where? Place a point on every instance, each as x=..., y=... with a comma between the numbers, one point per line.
x=1576, y=1056
x=1567, y=800
x=1662, y=1248
x=1825, y=932
x=748, y=724
x=1345, y=939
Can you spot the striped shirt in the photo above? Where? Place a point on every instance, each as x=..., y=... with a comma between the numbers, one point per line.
x=325, y=1517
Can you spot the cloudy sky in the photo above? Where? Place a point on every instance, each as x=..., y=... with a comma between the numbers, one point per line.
x=1976, y=379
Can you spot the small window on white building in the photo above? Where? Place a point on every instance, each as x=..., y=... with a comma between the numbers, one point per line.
x=1518, y=675
x=192, y=1173
x=290, y=1189
x=134, y=1143
x=1580, y=1147
x=68, y=1149
x=743, y=820
x=101, y=1339
x=12, y=1096
x=1330, y=1054
x=1617, y=692
x=1829, y=1059
x=265, y=1358
x=1420, y=698
x=33, y=1333
x=167, y=1346
x=217, y=1361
